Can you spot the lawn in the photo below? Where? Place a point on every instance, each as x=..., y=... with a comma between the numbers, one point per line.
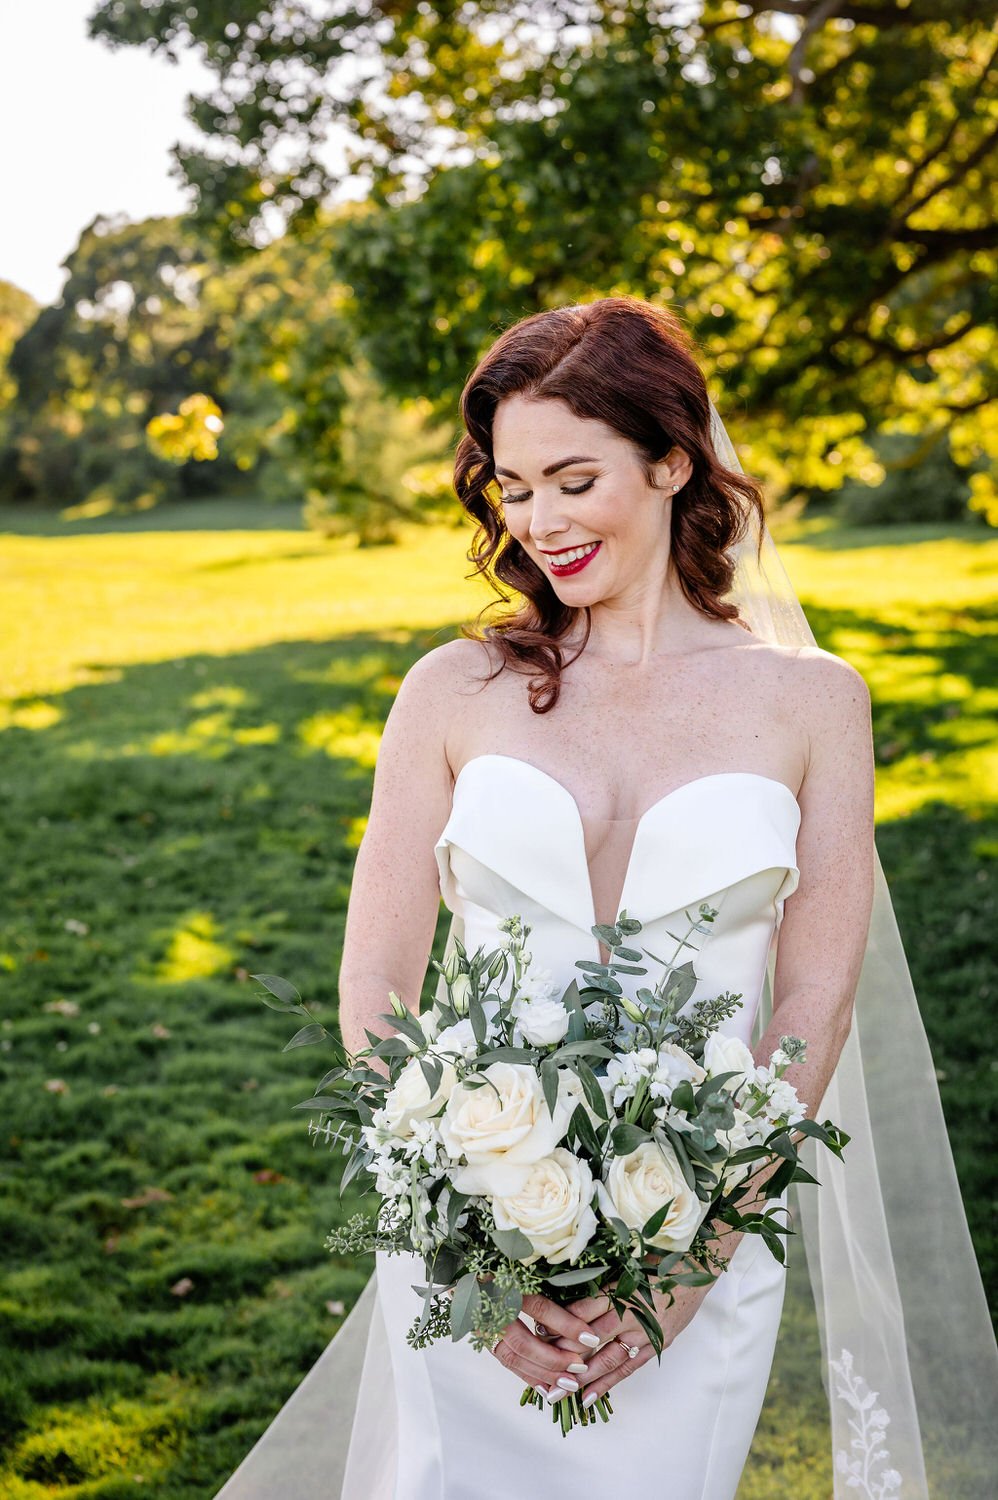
x=189, y=719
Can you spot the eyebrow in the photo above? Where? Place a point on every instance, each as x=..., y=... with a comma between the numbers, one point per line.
x=562, y=463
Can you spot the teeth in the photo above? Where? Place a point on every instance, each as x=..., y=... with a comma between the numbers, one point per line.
x=561, y=558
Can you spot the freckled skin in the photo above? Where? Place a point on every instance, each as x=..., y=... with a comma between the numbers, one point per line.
x=660, y=696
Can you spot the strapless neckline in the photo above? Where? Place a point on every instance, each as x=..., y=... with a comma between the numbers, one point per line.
x=667, y=797
x=571, y=888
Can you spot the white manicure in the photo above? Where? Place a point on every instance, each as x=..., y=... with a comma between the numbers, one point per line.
x=592, y=1339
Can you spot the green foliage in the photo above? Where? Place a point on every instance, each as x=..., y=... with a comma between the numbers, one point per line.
x=819, y=207
x=191, y=784
x=132, y=337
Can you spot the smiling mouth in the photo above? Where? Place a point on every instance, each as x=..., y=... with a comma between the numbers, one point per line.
x=572, y=560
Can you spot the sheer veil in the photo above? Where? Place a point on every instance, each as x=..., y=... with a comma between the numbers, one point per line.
x=909, y=1362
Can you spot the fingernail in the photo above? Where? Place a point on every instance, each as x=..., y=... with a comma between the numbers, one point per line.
x=587, y=1401
x=568, y=1383
x=541, y=1391
x=554, y=1394
x=579, y=1368
x=592, y=1339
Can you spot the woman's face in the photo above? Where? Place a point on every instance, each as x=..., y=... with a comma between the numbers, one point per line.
x=575, y=496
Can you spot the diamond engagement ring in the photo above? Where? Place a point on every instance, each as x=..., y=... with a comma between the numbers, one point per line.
x=632, y=1349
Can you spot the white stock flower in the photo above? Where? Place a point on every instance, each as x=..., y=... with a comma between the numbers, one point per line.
x=782, y=1102
x=552, y=1207
x=410, y=1098
x=540, y=1022
x=641, y=1182
x=503, y=1127
x=722, y=1054
x=625, y=1071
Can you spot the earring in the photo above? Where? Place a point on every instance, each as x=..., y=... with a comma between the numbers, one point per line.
x=675, y=488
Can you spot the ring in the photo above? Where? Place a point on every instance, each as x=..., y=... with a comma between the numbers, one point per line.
x=633, y=1350
x=543, y=1332
x=495, y=1346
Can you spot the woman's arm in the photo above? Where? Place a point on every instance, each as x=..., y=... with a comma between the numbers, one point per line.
x=395, y=893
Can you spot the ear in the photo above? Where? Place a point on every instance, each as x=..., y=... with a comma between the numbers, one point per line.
x=674, y=470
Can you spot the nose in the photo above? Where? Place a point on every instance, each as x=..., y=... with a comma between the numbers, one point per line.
x=548, y=521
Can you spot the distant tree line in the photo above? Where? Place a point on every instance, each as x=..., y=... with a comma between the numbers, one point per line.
x=814, y=193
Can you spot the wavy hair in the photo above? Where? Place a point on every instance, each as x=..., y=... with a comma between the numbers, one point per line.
x=629, y=364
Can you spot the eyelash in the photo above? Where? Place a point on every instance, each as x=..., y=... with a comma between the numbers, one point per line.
x=581, y=490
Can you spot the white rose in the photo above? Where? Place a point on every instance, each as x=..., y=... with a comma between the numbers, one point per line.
x=540, y=1022
x=410, y=1099
x=722, y=1054
x=552, y=1208
x=539, y=984
x=641, y=1182
x=625, y=1071
x=457, y=1038
x=502, y=1127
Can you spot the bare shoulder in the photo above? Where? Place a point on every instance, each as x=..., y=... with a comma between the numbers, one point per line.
x=454, y=668
x=828, y=684
x=831, y=699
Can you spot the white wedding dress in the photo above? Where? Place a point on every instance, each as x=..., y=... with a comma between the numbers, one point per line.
x=451, y=1427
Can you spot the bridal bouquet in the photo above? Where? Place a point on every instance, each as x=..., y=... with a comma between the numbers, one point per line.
x=528, y=1140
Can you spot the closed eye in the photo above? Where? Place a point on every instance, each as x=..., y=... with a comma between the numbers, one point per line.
x=565, y=490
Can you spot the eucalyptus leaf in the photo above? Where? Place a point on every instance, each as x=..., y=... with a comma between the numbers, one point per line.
x=304, y=1038
x=683, y=1097
x=654, y=1224
x=465, y=1306
x=549, y=1081
x=512, y=1242
x=627, y=1137
x=582, y=1125
x=573, y=1278
x=283, y=993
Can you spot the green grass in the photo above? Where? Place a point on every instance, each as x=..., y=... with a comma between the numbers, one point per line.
x=188, y=725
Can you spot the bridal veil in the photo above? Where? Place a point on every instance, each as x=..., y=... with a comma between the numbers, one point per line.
x=909, y=1362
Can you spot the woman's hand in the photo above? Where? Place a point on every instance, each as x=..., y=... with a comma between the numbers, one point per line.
x=612, y=1363
x=544, y=1363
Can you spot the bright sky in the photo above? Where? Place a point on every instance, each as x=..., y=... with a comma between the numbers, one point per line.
x=83, y=130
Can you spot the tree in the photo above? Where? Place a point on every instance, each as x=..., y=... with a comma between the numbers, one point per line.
x=808, y=184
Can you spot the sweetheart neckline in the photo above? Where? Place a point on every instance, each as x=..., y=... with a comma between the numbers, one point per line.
x=676, y=790
x=639, y=823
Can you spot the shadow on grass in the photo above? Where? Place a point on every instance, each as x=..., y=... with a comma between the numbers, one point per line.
x=171, y=833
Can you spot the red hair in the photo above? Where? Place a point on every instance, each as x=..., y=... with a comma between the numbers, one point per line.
x=629, y=364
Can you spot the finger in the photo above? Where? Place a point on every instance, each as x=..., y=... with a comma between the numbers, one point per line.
x=559, y=1320
x=620, y=1371
x=613, y=1355
x=589, y=1308
x=537, y=1360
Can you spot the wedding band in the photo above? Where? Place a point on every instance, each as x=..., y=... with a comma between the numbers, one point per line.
x=495, y=1346
x=632, y=1349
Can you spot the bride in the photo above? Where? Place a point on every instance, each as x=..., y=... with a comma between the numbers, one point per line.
x=623, y=740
